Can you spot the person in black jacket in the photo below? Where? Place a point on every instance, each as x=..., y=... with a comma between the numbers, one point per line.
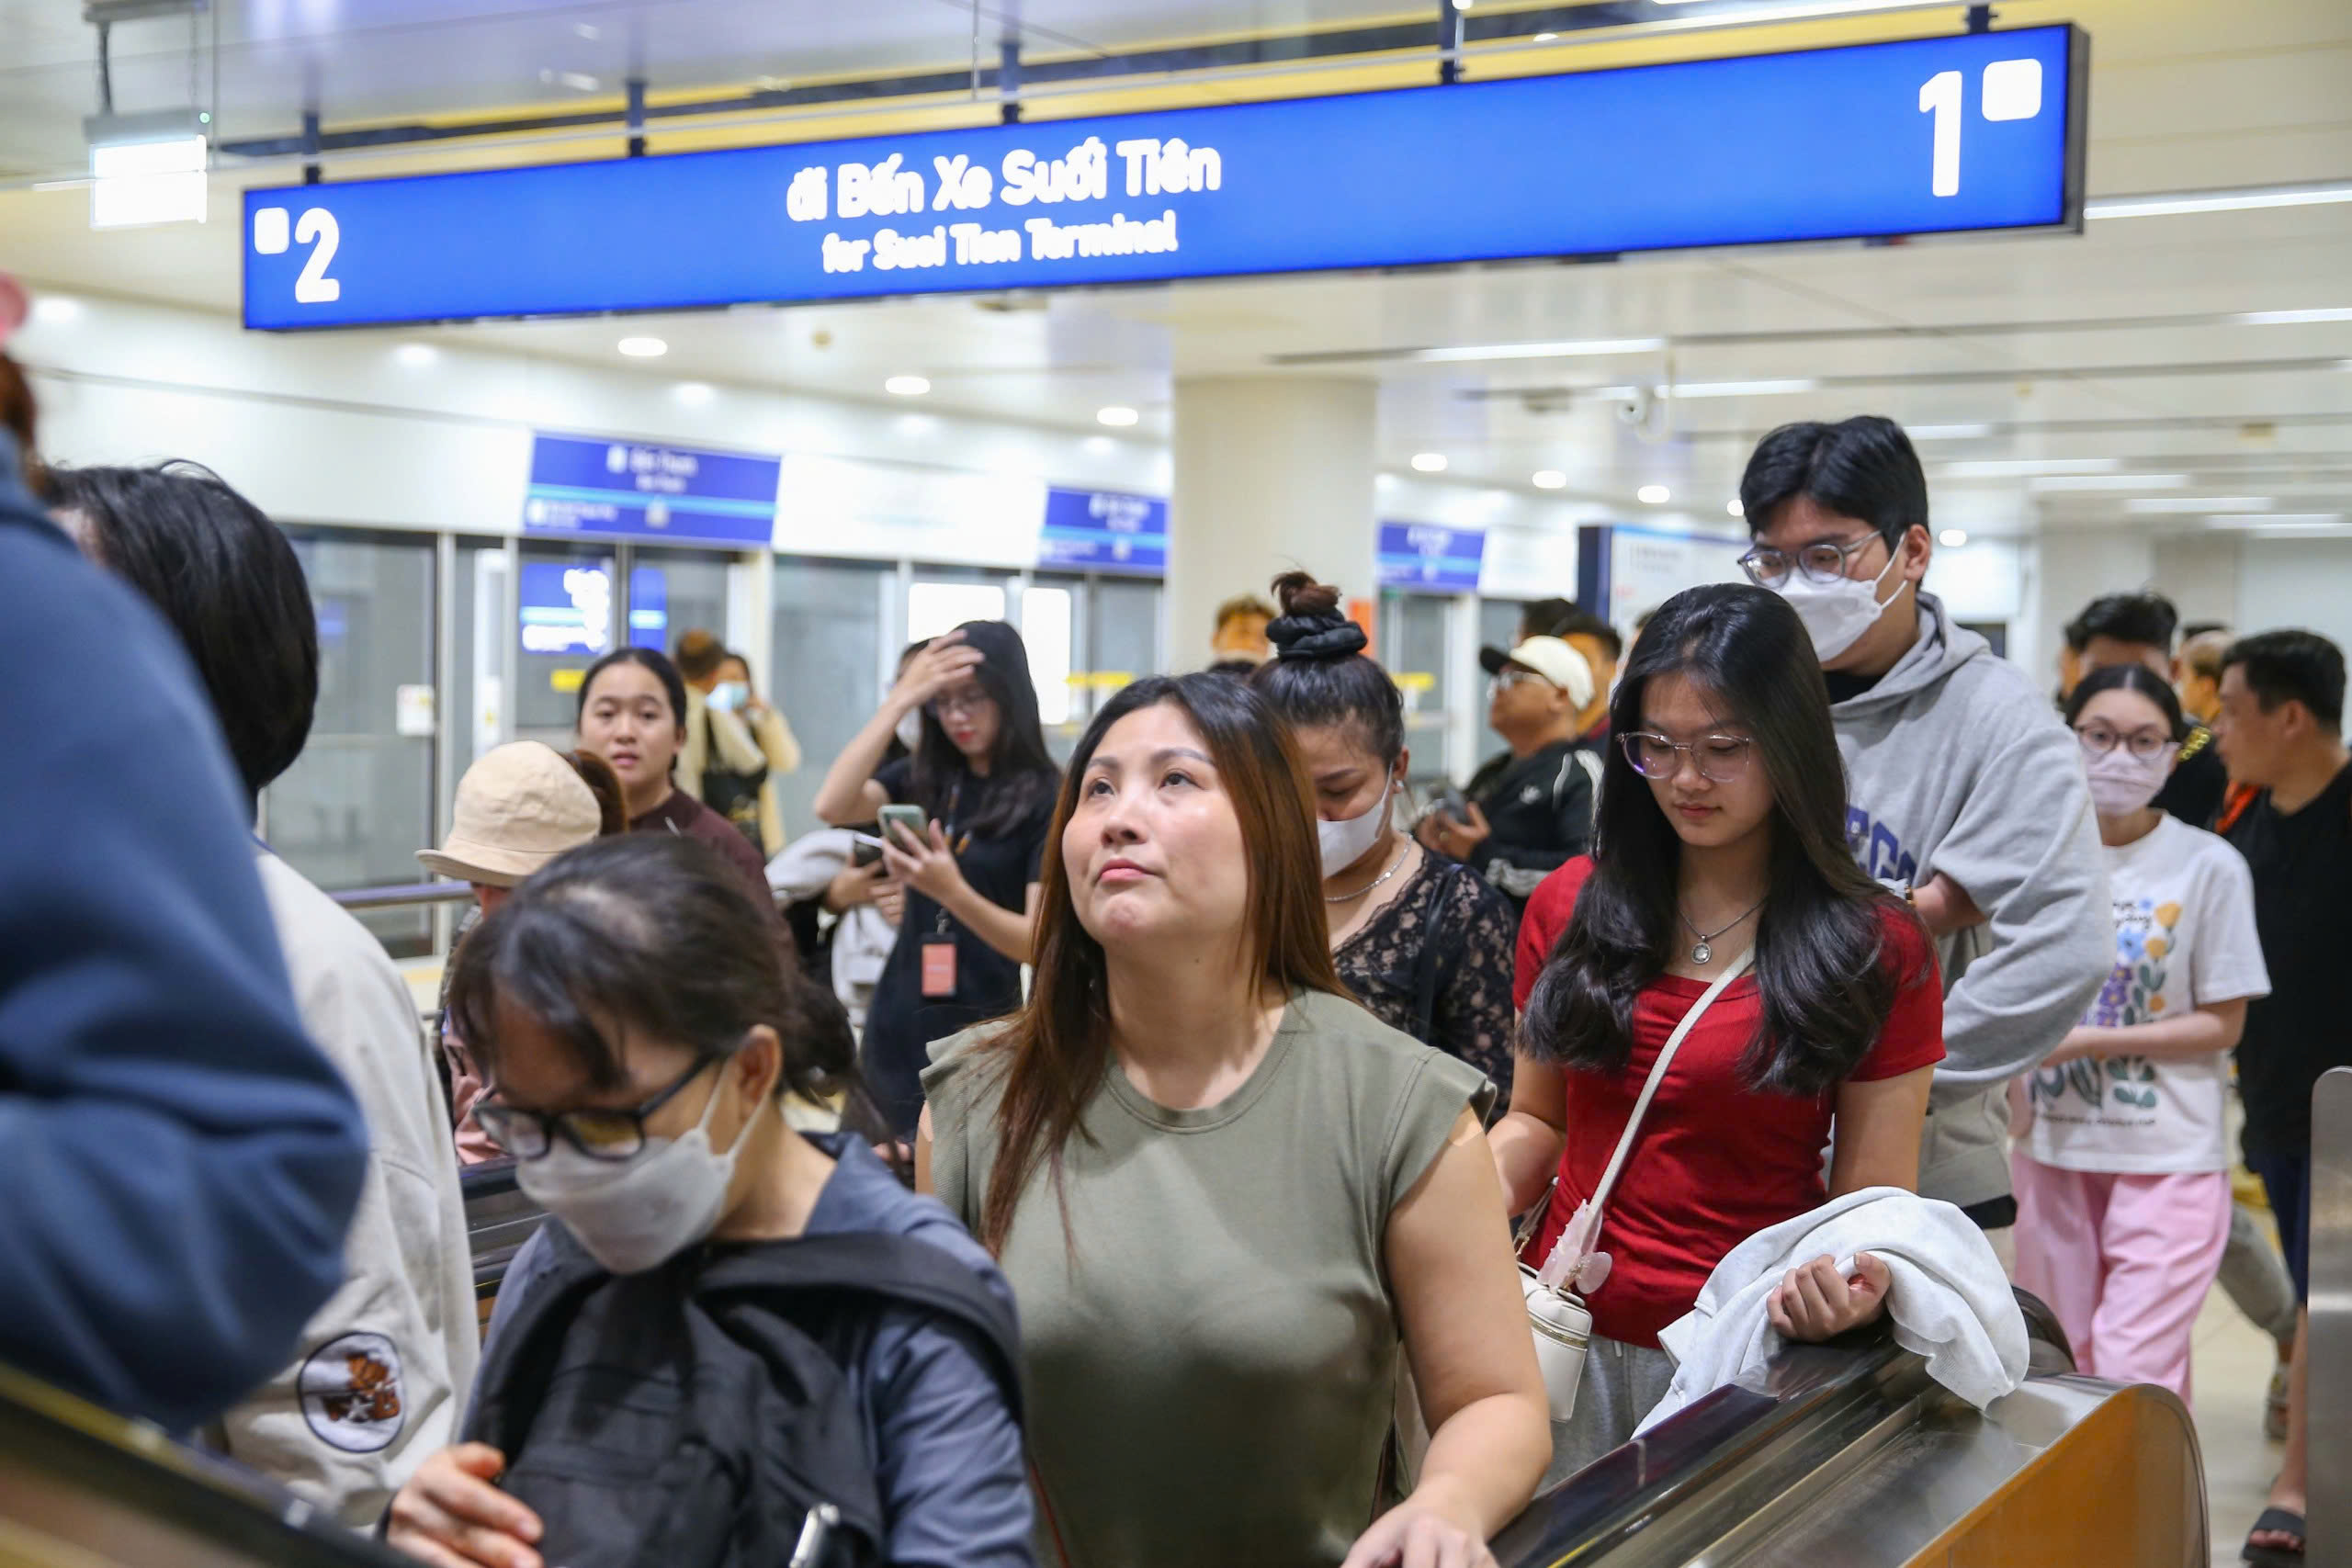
x=1528, y=811
x=2137, y=628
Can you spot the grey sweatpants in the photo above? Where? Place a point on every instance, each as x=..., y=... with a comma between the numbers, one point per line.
x=2256, y=1278
x=1621, y=1383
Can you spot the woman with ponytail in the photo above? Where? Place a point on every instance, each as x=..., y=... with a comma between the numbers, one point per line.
x=1422, y=941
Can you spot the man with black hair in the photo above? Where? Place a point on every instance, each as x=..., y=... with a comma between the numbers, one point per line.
x=2281, y=731
x=2137, y=628
x=1964, y=789
x=380, y=1376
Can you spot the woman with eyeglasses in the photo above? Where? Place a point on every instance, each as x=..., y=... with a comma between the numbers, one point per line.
x=660, y=1381
x=2122, y=1179
x=1721, y=835
x=981, y=775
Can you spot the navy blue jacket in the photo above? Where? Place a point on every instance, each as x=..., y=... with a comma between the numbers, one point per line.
x=177, y=1161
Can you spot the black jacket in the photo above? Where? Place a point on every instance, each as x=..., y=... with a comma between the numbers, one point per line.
x=1539, y=809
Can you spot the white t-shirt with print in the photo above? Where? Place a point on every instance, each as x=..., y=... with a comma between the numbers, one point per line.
x=2185, y=938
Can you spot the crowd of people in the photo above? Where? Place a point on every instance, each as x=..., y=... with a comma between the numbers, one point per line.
x=1148, y=1129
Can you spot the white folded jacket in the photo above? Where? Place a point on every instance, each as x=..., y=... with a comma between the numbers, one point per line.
x=1951, y=1301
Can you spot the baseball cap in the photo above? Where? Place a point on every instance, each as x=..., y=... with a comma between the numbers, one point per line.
x=517, y=808
x=1550, y=658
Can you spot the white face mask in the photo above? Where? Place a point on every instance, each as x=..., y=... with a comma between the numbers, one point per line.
x=732, y=696
x=1350, y=839
x=910, y=729
x=2122, y=784
x=637, y=1214
x=1835, y=615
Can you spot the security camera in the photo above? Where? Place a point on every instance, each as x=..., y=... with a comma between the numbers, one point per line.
x=1638, y=409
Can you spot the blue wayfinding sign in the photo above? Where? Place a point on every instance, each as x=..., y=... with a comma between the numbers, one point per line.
x=582, y=486
x=1424, y=557
x=1974, y=131
x=1093, y=530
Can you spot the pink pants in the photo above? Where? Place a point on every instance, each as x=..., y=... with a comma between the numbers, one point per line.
x=2125, y=1261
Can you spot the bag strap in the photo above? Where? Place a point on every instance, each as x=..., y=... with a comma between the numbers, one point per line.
x=1657, y=1075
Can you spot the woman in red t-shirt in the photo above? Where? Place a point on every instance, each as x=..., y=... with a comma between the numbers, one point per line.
x=1721, y=829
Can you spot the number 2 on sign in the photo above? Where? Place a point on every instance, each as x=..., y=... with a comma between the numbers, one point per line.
x=1940, y=96
x=314, y=287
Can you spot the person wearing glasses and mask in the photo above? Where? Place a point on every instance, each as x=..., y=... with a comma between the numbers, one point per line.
x=1528, y=811
x=638, y=1036
x=968, y=897
x=1964, y=789
x=1722, y=839
x=2122, y=1179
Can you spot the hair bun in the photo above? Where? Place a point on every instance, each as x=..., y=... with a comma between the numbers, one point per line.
x=1311, y=625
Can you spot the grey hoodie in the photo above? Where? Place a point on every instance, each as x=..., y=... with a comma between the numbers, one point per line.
x=1955, y=764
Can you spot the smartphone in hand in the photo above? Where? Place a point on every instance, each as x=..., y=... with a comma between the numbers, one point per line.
x=909, y=820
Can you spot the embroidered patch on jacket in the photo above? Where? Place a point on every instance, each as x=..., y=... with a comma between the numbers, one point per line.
x=350, y=1390
x=1530, y=795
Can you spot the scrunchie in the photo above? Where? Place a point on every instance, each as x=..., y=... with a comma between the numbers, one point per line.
x=1331, y=635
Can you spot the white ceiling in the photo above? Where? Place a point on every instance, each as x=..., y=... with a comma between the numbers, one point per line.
x=2184, y=96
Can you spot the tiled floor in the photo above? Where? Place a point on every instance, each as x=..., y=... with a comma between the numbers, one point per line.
x=2231, y=1372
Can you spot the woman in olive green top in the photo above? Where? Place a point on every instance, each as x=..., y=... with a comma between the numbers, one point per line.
x=1225, y=1194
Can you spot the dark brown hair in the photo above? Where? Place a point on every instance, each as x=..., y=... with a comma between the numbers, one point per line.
x=612, y=805
x=1054, y=1052
x=1320, y=675
x=700, y=653
x=19, y=416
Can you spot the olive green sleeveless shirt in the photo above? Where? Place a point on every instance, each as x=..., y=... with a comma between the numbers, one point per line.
x=1212, y=1346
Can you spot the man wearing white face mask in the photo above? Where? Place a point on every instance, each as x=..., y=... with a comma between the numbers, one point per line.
x=1962, y=788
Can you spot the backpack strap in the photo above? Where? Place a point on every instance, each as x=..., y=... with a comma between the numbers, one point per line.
x=514, y=1378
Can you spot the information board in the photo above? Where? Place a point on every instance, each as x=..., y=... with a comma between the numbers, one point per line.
x=583, y=486
x=1104, y=531
x=1429, y=558
x=1965, y=132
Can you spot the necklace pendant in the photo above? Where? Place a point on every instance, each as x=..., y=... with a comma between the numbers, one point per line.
x=1702, y=953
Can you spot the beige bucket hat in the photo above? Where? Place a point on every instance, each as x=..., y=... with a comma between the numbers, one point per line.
x=517, y=808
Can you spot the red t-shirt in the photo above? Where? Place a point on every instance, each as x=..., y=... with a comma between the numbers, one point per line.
x=1717, y=1161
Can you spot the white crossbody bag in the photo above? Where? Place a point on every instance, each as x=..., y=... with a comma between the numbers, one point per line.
x=1556, y=1312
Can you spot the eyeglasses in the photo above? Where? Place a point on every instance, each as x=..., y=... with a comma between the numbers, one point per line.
x=966, y=703
x=600, y=1134
x=1721, y=758
x=1504, y=679
x=1822, y=561
x=2098, y=740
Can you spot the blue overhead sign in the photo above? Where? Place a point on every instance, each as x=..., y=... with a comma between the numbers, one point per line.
x=1974, y=131
x=1425, y=558
x=1093, y=530
x=583, y=487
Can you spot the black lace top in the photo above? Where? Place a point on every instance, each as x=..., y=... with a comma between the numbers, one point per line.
x=1436, y=963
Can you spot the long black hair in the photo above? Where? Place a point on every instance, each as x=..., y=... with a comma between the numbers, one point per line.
x=1022, y=779
x=1319, y=673
x=2130, y=678
x=1820, y=959
x=674, y=685
x=652, y=935
x=229, y=582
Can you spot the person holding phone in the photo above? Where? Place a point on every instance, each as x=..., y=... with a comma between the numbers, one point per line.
x=1529, y=809
x=964, y=820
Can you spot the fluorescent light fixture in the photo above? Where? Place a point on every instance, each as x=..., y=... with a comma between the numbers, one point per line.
x=2027, y=468
x=2281, y=522
x=1429, y=462
x=695, y=394
x=1570, y=349
x=2056, y=483
x=2294, y=318
x=1737, y=389
x=1734, y=508
x=56, y=309
x=1952, y=539
x=415, y=355
x=906, y=386
x=2156, y=505
x=1805, y=8
x=2172, y=204
x=148, y=168
x=642, y=347
x=1549, y=478
x=1947, y=432
x=1654, y=495
x=1117, y=415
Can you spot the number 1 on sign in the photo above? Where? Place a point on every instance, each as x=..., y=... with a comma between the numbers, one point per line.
x=1940, y=96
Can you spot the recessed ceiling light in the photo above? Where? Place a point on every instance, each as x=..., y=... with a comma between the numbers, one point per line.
x=2195, y=504
x=1952, y=539
x=1654, y=495
x=906, y=386
x=414, y=355
x=643, y=348
x=2051, y=484
x=1429, y=462
x=1549, y=478
x=2294, y=318
x=1115, y=414
x=1734, y=508
x=696, y=393
x=1571, y=348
